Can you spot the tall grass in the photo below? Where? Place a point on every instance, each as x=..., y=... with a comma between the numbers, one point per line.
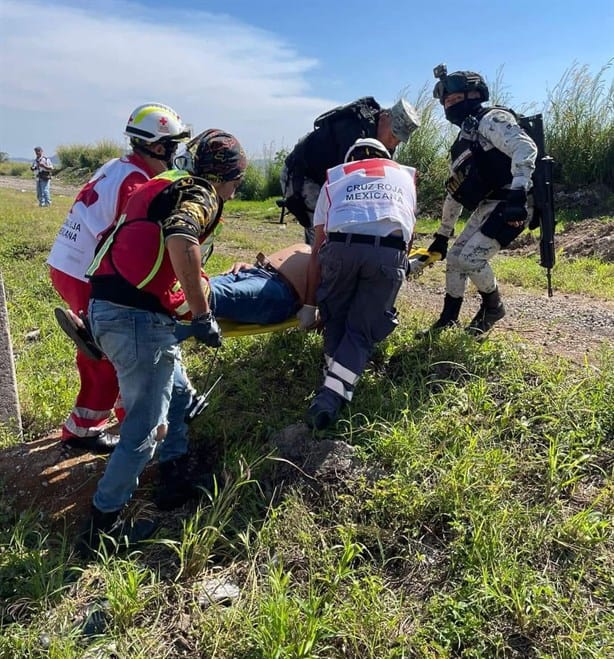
x=478, y=523
x=261, y=179
x=580, y=126
x=427, y=151
x=13, y=168
x=82, y=160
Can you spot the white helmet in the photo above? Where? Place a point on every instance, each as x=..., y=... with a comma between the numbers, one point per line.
x=366, y=147
x=153, y=122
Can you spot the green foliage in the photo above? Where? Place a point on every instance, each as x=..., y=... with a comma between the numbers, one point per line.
x=84, y=159
x=253, y=186
x=479, y=523
x=4, y=156
x=261, y=180
x=204, y=530
x=13, y=168
x=33, y=566
x=427, y=151
x=580, y=126
x=587, y=276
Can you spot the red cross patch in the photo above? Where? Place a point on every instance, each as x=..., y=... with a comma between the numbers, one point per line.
x=375, y=167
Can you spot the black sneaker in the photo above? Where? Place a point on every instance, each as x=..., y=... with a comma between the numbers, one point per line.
x=484, y=320
x=320, y=419
x=102, y=444
x=77, y=329
x=324, y=410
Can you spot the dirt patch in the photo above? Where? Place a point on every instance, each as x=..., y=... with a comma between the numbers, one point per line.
x=60, y=482
x=587, y=238
x=29, y=185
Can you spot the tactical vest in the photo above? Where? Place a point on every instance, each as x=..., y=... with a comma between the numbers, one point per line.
x=477, y=174
x=156, y=291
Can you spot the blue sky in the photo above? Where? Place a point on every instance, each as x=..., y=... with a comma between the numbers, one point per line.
x=71, y=72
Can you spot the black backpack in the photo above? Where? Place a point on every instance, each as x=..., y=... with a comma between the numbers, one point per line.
x=366, y=108
x=334, y=132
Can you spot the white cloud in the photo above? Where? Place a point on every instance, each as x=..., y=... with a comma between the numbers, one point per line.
x=72, y=75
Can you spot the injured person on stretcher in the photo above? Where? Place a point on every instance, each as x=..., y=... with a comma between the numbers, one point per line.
x=248, y=299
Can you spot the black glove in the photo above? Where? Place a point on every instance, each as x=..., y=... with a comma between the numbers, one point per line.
x=206, y=329
x=440, y=244
x=515, y=211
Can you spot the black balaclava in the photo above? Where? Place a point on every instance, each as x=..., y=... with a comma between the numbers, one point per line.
x=458, y=112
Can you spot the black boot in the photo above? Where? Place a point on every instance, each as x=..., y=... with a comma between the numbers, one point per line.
x=491, y=310
x=448, y=317
x=108, y=532
x=178, y=485
x=90, y=536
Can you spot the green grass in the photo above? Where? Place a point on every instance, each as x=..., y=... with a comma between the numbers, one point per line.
x=480, y=525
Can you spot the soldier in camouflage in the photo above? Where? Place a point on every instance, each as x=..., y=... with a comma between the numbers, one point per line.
x=492, y=162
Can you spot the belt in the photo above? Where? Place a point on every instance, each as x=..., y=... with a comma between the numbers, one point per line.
x=384, y=241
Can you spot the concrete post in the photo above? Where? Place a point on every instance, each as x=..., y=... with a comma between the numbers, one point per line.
x=10, y=416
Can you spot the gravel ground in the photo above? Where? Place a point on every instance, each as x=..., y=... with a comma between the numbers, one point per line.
x=572, y=326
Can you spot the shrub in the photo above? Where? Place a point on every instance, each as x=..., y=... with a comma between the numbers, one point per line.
x=272, y=170
x=88, y=157
x=579, y=119
x=14, y=168
x=427, y=151
x=252, y=187
x=261, y=179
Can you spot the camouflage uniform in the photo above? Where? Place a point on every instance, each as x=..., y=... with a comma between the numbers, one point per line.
x=472, y=250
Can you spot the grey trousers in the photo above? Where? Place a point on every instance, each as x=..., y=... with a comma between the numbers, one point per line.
x=358, y=288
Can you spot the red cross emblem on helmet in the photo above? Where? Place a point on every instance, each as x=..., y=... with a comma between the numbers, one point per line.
x=163, y=121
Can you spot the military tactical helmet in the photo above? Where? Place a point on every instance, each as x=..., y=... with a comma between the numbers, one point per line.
x=219, y=157
x=459, y=81
x=366, y=147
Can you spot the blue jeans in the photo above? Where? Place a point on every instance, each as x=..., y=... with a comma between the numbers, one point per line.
x=43, y=192
x=155, y=392
x=252, y=296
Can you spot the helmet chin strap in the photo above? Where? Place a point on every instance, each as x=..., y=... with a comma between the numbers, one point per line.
x=166, y=157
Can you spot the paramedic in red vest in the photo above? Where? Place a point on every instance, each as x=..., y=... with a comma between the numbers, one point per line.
x=364, y=222
x=334, y=132
x=154, y=130
x=154, y=247
x=492, y=162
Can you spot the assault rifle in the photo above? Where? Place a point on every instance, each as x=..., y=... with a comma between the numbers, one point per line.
x=543, y=193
